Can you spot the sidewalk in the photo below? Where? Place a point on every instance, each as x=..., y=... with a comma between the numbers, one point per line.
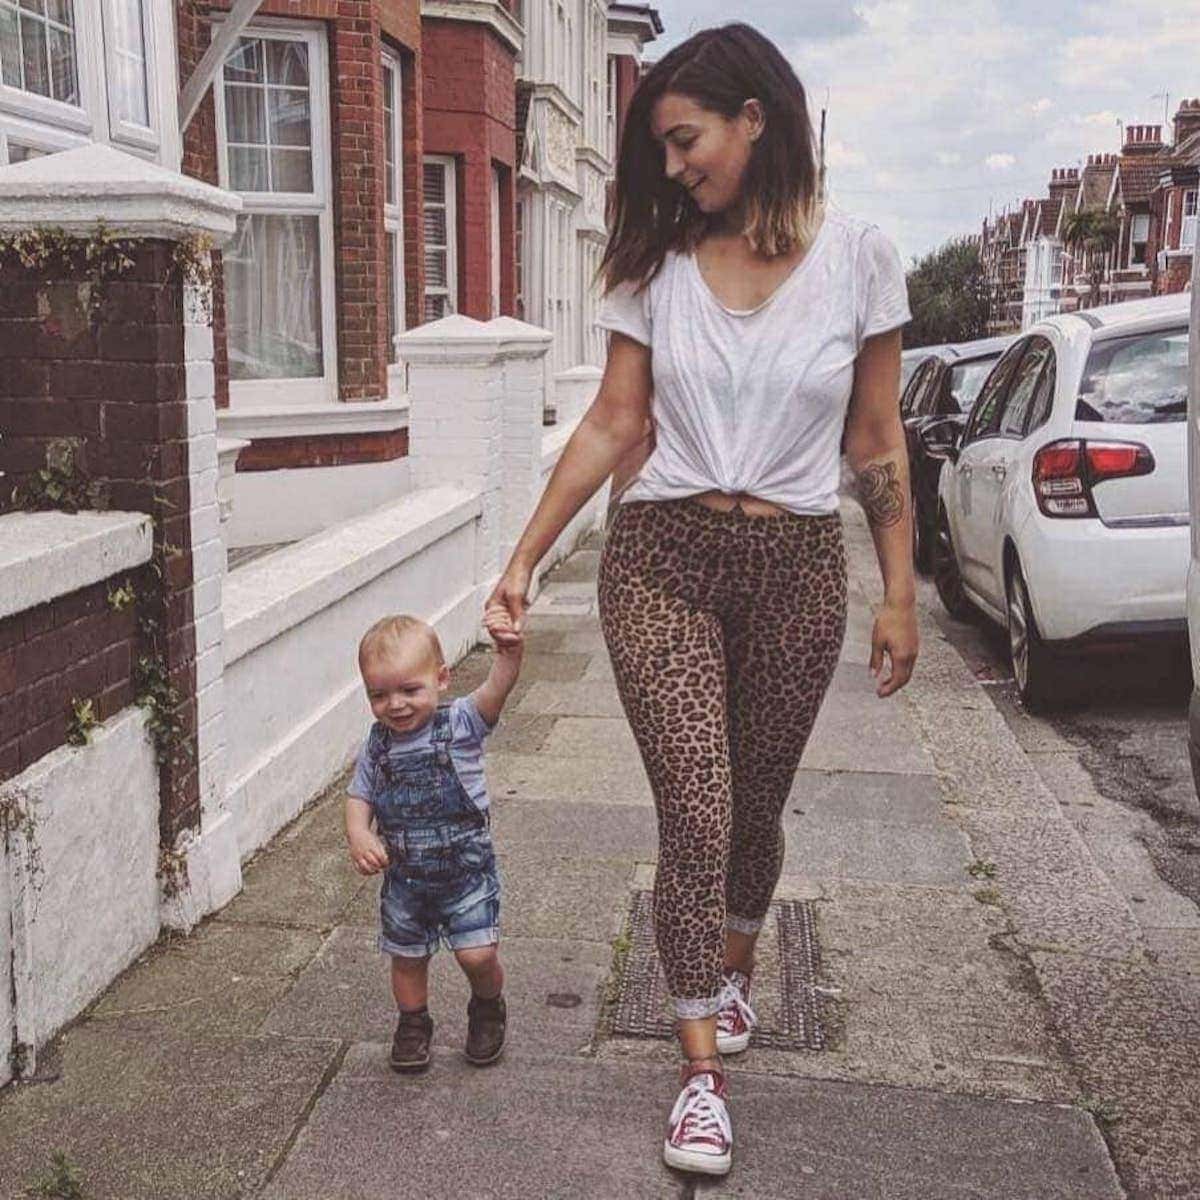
x=958, y=921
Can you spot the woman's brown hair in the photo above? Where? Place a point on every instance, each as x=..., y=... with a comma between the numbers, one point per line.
x=720, y=69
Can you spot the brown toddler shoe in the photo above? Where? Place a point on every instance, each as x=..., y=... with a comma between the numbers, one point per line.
x=410, y=1046
x=485, y=1030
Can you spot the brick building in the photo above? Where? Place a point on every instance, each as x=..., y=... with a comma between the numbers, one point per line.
x=1173, y=204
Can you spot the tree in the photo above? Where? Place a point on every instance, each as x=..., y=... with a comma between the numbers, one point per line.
x=1095, y=231
x=948, y=294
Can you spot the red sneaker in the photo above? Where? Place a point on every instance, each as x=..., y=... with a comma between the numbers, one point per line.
x=699, y=1136
x=735, y=1017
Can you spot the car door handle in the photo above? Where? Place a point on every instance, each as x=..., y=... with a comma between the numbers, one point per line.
x=999, y=470
x=966, y=470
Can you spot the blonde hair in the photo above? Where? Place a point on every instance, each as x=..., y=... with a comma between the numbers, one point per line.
x=389, y=633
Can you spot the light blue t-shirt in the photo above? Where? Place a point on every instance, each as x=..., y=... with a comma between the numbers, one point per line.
x=468, y=730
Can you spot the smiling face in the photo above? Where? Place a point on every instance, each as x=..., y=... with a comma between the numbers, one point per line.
x=706, y=153
x=404, y=681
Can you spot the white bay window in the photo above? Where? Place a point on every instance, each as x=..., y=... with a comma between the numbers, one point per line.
x=80, y=71
x=272, y=123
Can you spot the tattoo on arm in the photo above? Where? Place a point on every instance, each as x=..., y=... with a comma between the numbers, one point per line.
x=880, y=494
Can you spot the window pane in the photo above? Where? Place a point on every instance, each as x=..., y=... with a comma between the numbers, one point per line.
x=437, y=307
x=10, y=47
x=435, y=226
x=60, y=10
x=288, y=114
x=245, y=114
x=37, y=67
x=128, y=93
x=389, y=131
x=63, y=72
x=37, y=6
x=272, y=270
x=435, y=268
x=435, y=183
x=291, y=171
x=248, y=170
x=18, y=153
x=287, y=62
x=244, y=63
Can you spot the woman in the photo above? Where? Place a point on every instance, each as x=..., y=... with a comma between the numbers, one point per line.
x=765, y=329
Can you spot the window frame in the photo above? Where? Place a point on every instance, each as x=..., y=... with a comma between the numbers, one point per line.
x=297, y=390
x=146, y=136
x=1035, y=344
x=1133, y=260
x=393, y=213
x=1001, y=375
x=1185, y=217
x=449, y=164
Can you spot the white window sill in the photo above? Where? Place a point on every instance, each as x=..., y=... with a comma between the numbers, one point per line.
x=313, y=420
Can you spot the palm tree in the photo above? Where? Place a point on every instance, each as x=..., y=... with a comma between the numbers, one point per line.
x=1095, y=231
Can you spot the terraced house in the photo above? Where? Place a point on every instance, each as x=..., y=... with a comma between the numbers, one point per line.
x=321, y=330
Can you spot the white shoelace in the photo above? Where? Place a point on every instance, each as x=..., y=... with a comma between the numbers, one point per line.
x=700, y=1114
x=732, y=1001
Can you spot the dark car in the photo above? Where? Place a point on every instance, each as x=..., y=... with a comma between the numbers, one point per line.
x=940, y=393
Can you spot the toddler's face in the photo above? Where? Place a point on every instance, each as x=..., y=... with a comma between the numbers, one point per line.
x=403, y=684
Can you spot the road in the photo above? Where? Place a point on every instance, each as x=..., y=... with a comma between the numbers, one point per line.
x=1125, y=725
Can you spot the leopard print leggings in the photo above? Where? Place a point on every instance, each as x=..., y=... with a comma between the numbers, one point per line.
x=724, y=631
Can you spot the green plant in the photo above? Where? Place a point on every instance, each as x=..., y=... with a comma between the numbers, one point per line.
x=62, y=484
x=172, y=871
x=154, y=693
x=122, y=597
x=83, y=720
x=1095, y=231
x=987, y=895
x=982, y=868
x=61, y=1182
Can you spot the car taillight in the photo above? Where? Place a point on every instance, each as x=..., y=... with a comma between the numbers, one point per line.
x=1064, y=473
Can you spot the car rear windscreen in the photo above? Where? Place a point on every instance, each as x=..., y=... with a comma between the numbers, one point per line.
x=1136, y=380
x=967, y=378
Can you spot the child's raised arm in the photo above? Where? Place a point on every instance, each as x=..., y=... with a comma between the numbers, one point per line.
x=490, y=696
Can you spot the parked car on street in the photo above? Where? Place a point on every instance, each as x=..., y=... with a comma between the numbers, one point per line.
x=1063, y=507
x=910, y=360
x=1193, y=583
x=941, y=391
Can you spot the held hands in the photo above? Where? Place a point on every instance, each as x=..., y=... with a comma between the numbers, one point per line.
x=503, y=630
x=367, y=852
x=504, y=612
x=894, y=636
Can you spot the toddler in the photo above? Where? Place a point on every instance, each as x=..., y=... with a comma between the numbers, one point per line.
x=417, y=809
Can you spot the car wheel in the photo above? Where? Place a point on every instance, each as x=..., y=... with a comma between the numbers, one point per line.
x=1034, y=666
x=923, y=538
x=946, y=577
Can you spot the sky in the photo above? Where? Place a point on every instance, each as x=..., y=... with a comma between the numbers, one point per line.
x=938, y=113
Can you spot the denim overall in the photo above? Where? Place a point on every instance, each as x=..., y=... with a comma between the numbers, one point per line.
x=441, y=882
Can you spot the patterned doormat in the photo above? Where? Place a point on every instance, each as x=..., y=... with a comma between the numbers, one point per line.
x=785, y=980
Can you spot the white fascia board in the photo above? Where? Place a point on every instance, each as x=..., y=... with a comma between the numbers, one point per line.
x=313, y=420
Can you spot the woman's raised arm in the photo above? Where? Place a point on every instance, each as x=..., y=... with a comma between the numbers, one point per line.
x=612, y=426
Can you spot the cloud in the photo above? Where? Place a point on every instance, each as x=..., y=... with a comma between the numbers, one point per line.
x=1042, y=105
x=948, y=158
x=999, y=162
x=838, y=154
x=814, y=20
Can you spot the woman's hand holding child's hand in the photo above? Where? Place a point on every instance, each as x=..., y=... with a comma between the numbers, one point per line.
x=502, y=629
x=367, y=852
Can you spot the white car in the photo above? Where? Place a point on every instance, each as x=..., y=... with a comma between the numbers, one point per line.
x=1063, y=508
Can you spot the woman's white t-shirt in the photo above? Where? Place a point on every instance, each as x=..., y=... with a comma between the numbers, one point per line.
x=755, y=400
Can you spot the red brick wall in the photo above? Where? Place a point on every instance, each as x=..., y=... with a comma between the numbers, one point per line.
x=333, y=450
x=469, y=84
x=75, y=647
x=117, y=383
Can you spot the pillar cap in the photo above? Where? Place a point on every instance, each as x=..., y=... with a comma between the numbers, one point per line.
x=458, y=338
x=75, y=189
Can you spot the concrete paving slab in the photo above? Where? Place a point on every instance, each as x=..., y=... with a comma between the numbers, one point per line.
x=867, y=796
x=582, y=567
x=161, y=1118
x=303, y=877
x=1129, y=865
x=1134, y=1032
x=584, y=699
x=875, y=850
x=578, y=1130
x=569, y=779
x=574, y=832
x=1175, y=950
x=521, y=733
x=221, y=982
x=592, y=737
x=539, y=666
x=854, y=1141
x=553, y=991
x=856, y=731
